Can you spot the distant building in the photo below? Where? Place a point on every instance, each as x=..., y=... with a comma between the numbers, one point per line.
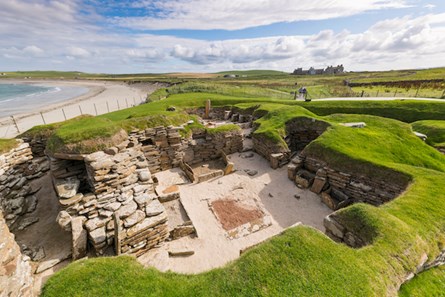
x=312, y=71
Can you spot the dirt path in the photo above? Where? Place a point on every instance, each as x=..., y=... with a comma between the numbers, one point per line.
x=46, y=233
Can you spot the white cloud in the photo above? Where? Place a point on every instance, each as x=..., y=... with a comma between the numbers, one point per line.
x=78, y=52
x=240, y=14
x=33, y=50
x=62, y=37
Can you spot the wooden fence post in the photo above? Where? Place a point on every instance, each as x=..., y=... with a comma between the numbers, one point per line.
x=41, y=114
x=15, y=124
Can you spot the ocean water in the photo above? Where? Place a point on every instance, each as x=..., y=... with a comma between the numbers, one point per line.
x=18, y=98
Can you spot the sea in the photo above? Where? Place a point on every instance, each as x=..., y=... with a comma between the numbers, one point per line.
x=18, y=98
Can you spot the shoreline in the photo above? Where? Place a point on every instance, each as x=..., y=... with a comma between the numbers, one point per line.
x=93, y=90
x=102, y=97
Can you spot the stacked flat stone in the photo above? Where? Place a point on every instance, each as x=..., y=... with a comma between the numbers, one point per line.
x=268, y=148
x=16, y=169
x=209, y=146
x=37, y=144
x=162, y=147
x=15, y=273
x=339, y=189
x=120, y=186
x=302, y=131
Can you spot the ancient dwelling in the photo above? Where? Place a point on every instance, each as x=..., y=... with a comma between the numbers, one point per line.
x=111, y=203
x=109, y=198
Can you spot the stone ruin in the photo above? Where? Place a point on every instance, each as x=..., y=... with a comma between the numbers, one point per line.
x=112, y=195
x=111, y=200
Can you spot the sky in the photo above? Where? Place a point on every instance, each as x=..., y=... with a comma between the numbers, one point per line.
x=152, y=36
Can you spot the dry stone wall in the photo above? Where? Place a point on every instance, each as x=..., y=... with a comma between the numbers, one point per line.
x=299, y=133
x=302, y=131
x=108, y=197
x=339, y=189
x=207, y=146
x=164, y=148
x=17, y=167
x=15, y=268
x=119, y=204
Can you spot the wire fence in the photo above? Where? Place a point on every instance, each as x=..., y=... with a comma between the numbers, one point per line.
x=15, y=125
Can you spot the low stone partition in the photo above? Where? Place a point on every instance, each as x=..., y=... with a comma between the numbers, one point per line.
x=17, y=167
x=276, y=154
x=209, y=146
x=162, y=146
x=15, y=269
x=339, y=189
x=341, y=233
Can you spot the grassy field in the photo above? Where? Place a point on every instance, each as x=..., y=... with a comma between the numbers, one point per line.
x=383, y=91
x=272, y=83
x=429, y=283
x=7, y=144
x=155, y=114
x=435, y=130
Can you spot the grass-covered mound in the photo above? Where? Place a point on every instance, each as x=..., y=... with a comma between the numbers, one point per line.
x=435, y=130
x=156, y=114
x=427, y=284
x=303, y=261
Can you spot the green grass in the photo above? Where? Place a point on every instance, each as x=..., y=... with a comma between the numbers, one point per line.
x=435, y=130
x=403, y=110
x=7, y=144
x=303, y=261
x=427, y=284
x=223, y=128
x=383, y=91
x=255, y=73
x=155, y=114
x=85, y=135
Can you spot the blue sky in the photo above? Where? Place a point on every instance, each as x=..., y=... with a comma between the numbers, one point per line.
x=214, y=35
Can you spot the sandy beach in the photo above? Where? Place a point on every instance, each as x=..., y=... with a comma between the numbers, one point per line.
x=102, y=97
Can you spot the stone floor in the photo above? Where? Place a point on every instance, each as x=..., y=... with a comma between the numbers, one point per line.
x=254, y=179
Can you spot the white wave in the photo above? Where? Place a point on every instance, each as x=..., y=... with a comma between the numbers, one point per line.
x=49, y=91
